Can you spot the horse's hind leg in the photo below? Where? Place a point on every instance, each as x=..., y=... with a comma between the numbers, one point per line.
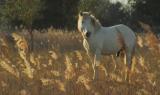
x=128, y=59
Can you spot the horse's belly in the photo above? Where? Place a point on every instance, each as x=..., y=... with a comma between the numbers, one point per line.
x=110, y=49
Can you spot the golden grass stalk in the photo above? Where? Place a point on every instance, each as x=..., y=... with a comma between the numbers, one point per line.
x=21, y=42
x=59, y=84
x=24, y=92
x=152, y=41
x=9, y=68
x=69, y=71
x=53, y=55
x=56, y=73
x=140, y=41
x=28, y=70
x=85, y=81
x=150, y=38
x=22, y=46
x=46, y=82
x=33, y=59
x=142, y=62
x=78, y=55
x=4, y=49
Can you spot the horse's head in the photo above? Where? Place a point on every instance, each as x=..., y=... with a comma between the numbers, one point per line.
x=87, y=23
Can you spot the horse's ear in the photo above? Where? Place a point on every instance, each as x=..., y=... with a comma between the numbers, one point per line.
x=80, y=13
x=90, y=13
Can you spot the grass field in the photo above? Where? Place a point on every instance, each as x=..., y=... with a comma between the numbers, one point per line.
x=60, y=66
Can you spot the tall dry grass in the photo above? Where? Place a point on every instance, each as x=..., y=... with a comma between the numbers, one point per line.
x=59, y=65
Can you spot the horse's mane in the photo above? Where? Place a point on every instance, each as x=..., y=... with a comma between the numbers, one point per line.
x=95, y=22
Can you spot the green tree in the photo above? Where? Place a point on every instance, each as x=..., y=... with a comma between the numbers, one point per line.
x=25, y=12
x=98, y=7
x=147, y=11
x=59, y=14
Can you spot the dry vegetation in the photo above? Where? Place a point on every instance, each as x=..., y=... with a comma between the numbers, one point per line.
x=60, y=66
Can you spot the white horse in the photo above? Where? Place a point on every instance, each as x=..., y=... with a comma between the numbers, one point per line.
x=106, y=40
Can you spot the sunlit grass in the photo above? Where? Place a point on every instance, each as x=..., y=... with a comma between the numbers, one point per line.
x=59, y=65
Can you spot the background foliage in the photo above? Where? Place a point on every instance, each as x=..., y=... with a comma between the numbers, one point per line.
x=63, y=14
x=17, y=12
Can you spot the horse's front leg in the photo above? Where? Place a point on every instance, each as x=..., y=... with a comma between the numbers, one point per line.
x=96, y=63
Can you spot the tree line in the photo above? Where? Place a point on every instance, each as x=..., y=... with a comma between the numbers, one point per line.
x=63, y=13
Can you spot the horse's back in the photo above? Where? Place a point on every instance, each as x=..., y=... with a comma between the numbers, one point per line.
x=127, y=34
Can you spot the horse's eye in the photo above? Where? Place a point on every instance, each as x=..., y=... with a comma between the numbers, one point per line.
x=88, y=34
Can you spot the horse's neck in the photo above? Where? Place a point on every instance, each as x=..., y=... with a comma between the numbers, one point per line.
x=97, y=26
